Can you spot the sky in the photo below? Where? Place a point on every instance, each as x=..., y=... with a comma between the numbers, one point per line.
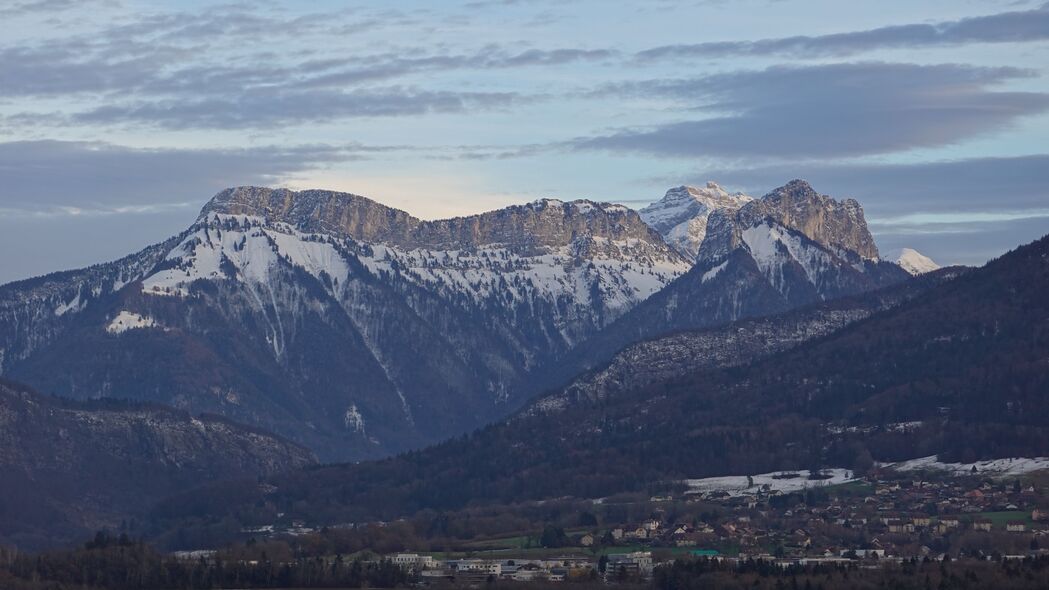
x=119, y=119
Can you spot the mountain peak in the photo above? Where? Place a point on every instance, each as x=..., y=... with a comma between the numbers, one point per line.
x=915, y=262
x=681, y=215
x=838, y=225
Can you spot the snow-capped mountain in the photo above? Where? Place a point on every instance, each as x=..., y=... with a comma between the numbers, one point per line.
x=340, y=323
x=807, y=246
x=791, y=248
x=915, y=262
x=681, y=215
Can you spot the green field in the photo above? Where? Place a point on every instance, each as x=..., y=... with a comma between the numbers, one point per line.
x=1000, y=518
x=852, y=488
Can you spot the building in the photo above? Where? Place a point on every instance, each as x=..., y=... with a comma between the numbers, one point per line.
x=414, y=562
x=637, y=564
x=983, y=524
x=1016, y=526
x=475, y=571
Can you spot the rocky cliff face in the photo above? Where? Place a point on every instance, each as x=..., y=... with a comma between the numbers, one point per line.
x=838, y=226
x=543, y=224
x=681, y=215
x=338, y=322
x=791, y=248
x=70, y=468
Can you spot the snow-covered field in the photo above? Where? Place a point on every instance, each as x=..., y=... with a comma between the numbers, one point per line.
x=127, y=320
x=1003, y=467
x=737, y=485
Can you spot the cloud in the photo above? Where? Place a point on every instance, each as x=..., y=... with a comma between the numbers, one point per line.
x=26, y=7
x=69, y=204
x=208, y=70
x=958, y=211
x=1007, y=27
x=274, y=108
x=836, y=110
x=971, y=243
x=62, y=178
x=967, y=186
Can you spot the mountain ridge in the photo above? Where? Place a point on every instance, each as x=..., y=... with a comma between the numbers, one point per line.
x=357, y=349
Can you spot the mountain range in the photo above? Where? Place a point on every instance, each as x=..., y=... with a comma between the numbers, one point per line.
x=359, y=331
x=328, y=318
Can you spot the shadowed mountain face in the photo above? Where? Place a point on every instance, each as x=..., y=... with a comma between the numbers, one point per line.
x=676, y=355
x=68, y=469
x=340, y=323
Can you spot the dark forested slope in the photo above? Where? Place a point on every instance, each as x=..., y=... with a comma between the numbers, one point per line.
x=69, y=468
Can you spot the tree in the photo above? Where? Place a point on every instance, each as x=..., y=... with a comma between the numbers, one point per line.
x=553, y=536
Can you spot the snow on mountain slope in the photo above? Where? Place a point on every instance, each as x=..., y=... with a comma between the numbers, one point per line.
x=314, y=313
x=127, y=320
x=805, y=244
x=915, y=262
x=681, y=215
x=245, y=248
x=592, y=275
x=35, y=312
x=773, y=246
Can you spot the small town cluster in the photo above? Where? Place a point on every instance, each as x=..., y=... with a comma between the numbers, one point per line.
x=880, y=518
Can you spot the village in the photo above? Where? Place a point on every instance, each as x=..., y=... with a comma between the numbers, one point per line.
x=884, y=517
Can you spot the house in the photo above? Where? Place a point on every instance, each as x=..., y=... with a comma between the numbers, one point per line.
x=899, y=526
x=1016, y=526
x=638, y=533
x=921, y=521
x=983, y=524
x=685, y=540
x=1039, y=514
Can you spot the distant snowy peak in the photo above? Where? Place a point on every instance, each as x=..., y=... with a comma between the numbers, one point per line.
x=681, y=215
x=915, y=262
